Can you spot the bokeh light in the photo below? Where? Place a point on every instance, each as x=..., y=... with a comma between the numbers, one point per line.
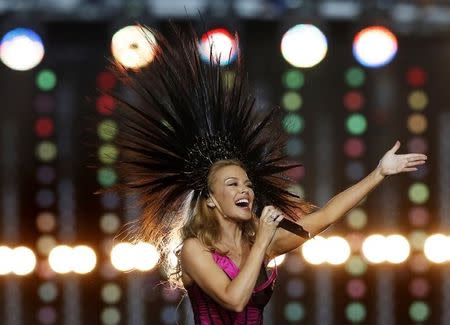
x=21, y=49
x=220, y=44
x=133, y=46
x=374, y=46
x=304, y=46
x=437, y=248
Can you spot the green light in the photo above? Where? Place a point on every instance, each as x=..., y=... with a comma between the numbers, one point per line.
x=355, y=265
x=292, y=101
x=106, y=176
x=46, y=80
x=357, y=218
x=356, y=124
x=293, y=123
x=294, y=312
x=419, y=311
x=418, y=193
x=355, y=77
x=107, y=130
x=355, y=312
x=46, y=151
x=293, y=79
x=108, y=153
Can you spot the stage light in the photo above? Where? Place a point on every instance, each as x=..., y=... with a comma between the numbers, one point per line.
x=354, y=147
x=110, y=315
x=120, y=257
x=314, y=251
x=419, y=311
x=304, y=46
x=60, y=259
x=21, y=49
x=293, y=123
x=277, y=261
x=109, y=223
x=45, y=244
x=145, y=256
x=418, y=100
x=111, y=293
x=338, y=250
x=374, y=46
x=46, y=151
x=23, y=260
x=106, y=176
x=418, y=193
x=291, y=101
x=293, y=79
x=108, y=154
x=398, y=249
x=417, y=123
x=356, y=124
x=83, y=259
x=48, y=291
x=6, y=256
x=437, y=248
x=374, y=248
x=224, y=46
x=46, y=80
x=107, y=130
x=133, y=46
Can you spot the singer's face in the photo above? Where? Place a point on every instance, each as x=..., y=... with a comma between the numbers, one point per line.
x=231, y=193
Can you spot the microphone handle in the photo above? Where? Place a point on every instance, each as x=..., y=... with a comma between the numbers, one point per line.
x=294, y=228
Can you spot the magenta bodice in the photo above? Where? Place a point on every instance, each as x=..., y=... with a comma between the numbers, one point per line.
x=207, y=311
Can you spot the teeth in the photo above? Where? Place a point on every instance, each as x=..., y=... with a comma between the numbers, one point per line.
x=242, y=201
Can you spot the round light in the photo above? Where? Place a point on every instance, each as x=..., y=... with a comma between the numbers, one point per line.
x=219, y=44
x=374, y=248
x=145, y=256
x=6, y=255
x=277, y=261
x=436, y=248
x=399, y=249
x=314, y=251
x=84, y=259
x=120, y=256
x=133, y=46
x=374, y=46
x=338, y=250
x=23, y=260
x=60, y=259
x=21, y=49
x=304, y=46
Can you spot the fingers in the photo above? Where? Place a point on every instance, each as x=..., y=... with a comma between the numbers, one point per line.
x=395, y=147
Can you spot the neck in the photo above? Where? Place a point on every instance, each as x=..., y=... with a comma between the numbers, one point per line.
x=230, y=232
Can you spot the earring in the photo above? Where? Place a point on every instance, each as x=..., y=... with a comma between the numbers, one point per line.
x=210, y=204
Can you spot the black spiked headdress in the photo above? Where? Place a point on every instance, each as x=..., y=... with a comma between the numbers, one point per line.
x=181, y=117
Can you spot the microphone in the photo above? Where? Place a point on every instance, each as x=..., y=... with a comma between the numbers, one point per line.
x=294, y=228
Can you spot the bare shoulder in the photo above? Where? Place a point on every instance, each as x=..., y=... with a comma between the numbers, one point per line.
x=192, y=253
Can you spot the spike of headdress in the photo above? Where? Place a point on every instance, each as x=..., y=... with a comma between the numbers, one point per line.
x=179, y=118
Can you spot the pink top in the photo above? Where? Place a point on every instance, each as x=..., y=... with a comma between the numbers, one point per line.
x=207, y=311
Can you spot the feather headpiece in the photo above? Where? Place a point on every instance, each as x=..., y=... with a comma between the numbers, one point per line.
x=179, y=117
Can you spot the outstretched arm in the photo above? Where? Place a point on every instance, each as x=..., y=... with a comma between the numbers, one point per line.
x=340, y=204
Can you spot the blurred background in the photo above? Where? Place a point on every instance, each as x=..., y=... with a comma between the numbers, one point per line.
x=351, y=76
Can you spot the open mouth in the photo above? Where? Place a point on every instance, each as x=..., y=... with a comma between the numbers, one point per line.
x=243, y=203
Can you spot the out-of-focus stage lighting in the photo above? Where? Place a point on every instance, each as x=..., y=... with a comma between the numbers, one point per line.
x=133, y=46
x=142, y=256
x=374, y=46
x=392, y=249
x=374, y=248
x=277, y=261
x=304, y=46
x=224, y=46
x=398, y=249
x=20, y=260
x=333, y=250
x=64, y=259
x=83, y=259
x=21, y=49
x=437, y=248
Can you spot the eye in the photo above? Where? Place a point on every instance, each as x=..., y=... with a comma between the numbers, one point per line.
x=232, y=184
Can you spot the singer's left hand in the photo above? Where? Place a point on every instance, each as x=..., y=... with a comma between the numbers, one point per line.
x=392, y=164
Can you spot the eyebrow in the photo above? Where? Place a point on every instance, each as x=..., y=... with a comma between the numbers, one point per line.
x=232, y=177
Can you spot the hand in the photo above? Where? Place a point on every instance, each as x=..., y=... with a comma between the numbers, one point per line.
x=268, y=223
x=392, y=164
